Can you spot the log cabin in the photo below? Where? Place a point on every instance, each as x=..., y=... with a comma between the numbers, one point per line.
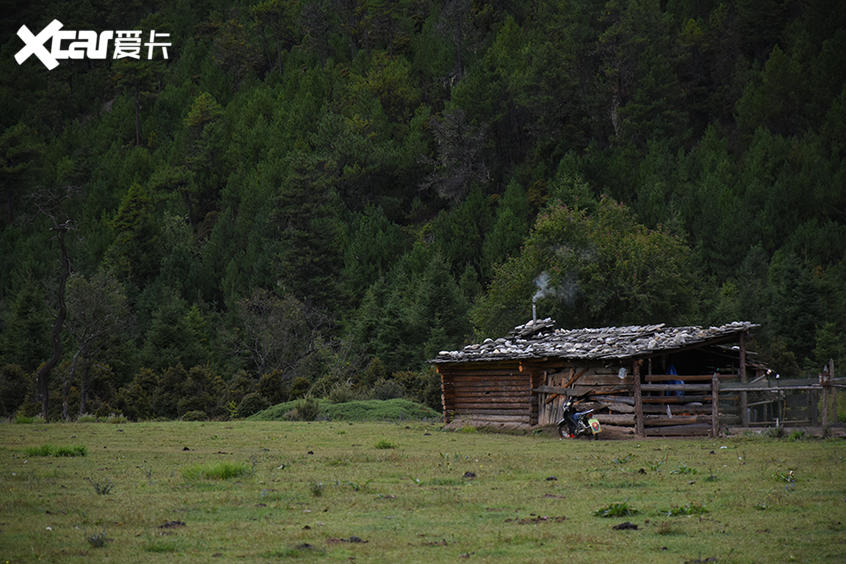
x=650, y=380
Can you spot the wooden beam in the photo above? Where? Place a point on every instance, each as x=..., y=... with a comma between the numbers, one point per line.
x=680, y=430
x=675, y=387
x=687, y=377
x=715, y=405
x=638, y=400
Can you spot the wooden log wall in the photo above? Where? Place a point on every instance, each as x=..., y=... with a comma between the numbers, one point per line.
x=487, y=394
x=524, y=394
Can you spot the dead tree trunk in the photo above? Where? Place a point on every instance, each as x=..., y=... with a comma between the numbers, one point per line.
x=43, y=374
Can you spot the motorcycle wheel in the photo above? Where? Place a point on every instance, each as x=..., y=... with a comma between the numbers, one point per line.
x=564, y=432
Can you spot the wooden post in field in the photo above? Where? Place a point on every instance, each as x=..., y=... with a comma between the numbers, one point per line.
x=744, y=408
x=833, y=392
x=638, y=400
x=715, y=405
x=825, y=382
x=443, y=393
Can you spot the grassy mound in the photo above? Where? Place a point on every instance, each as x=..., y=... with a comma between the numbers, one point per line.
x=362, y=410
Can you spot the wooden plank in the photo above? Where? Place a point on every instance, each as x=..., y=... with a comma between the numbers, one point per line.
x=489, y=389
x=494, y=412
x=676, y=399
x=499, y=404
x=615, y=399
x=488, y=376
x=655, y=420
x=638, y=400
x=491, y=400
x=618, y=407
x=680, y=430
x=687, y=377
x=611, y=430
x=461, y=383
x=715, y=406
x=480, y=365
x=615, y=419
x=483, y=392
x=675, y=387
x=580, y=390
x=494, y=418
x=758, y=388
x=522, y=396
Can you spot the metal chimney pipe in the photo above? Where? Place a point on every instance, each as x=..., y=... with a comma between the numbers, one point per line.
x=534, y=313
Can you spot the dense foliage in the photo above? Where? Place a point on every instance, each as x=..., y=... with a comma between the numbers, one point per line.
x=312, y=197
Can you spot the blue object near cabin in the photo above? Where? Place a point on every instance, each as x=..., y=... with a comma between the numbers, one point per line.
x=678, y=393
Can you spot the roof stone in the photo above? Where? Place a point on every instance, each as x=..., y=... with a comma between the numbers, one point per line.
x=540, y=339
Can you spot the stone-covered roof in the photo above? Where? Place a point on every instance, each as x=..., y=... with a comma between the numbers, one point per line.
x=540, y=339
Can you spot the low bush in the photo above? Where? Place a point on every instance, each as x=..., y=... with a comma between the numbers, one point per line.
x=97, y=540
x=304, y=410
x=215, y=471
x=250, y=404
x=195, y=415
x=358, y=410
x=688, y=509
x=51, y=450
x=28, y=420
x=383, y=444
x=102, y=488
x=616, y=510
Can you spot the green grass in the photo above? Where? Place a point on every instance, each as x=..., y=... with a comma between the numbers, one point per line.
x=308, y=488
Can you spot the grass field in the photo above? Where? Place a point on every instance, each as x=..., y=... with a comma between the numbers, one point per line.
x=264, y=491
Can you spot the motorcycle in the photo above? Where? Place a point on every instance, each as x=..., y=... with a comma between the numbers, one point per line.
x=575, y=423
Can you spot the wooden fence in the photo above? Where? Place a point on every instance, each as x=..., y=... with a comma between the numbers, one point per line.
x=699, y=405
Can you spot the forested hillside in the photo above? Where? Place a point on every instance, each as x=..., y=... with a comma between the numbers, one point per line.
x=312, y=197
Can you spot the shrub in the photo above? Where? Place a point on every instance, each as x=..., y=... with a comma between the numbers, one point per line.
x=51, y=450
x=252, y=403
x=216, y=471
x=14, y=384
x=76, y=450
x=683, y=469
x=383, y=444
x=195, y=415
x=102, y=488
x=97, y=540
x=342, y=393
x=689, y=509
x=239, y=386
x=386, y=389
x=43, y=450
x=304, y=410
x=299, y=387
x=28, y=419
x=616, y=510
x=273, y=387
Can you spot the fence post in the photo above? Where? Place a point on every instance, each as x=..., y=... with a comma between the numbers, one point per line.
x=715, y=405
x=639, y=432
x=825, y=379
x=833, y=392
x=744, y=408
